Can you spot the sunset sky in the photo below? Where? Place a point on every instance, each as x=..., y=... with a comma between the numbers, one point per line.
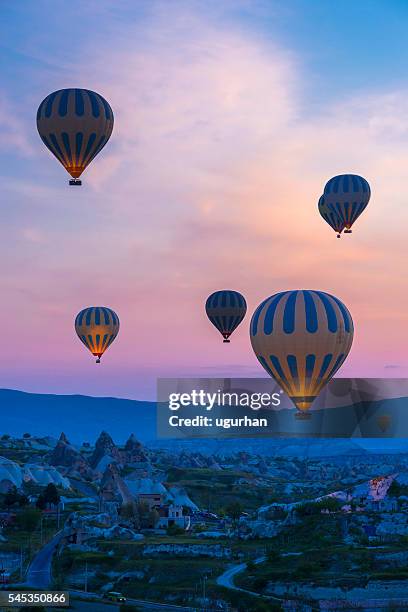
x=230, y=116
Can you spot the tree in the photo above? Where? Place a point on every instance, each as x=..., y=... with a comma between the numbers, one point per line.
x=174, y=530
x=147, y=517
x=329, y=503
x=139, y=515
x=129, y=513
x=234, y=510
x=23, y=500
x=395, y=489
x=5, y=437
x=51, y=494
x=11, y=497
x=49, y=497
x=28, y=520
x=27, y=435
x=315, y=507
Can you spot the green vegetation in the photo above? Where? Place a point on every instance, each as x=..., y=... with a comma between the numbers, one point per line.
x=217, y=490
x=49, y=497
x=175, y=530
x=159, y=577
x=139, y=515
x=330, y=504
x=13, y=499
x=396, y=489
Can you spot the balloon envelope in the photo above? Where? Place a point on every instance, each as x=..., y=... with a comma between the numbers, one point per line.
x=74, y=124
x=301, y=338
x=331, y=217
x=347, y=195
x=97, y=327
x=226, y=309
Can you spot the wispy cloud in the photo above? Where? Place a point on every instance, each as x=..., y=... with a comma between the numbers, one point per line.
x=211, y=179
x=13, y=130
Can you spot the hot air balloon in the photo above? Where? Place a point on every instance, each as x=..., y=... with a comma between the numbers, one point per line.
x=301, y=338
x=97, y=327
x=347, y=195
x=383, y=422
x=331, y=217
x=74, y=124
x=226, y=309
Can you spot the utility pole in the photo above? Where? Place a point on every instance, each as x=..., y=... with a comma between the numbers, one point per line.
x=21, y=563
x=204, y=593
x=86, y=576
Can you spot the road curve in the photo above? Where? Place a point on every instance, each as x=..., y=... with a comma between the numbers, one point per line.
x=227, y=578
x=39, y=571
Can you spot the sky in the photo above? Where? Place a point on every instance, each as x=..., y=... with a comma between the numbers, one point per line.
x=230, y=117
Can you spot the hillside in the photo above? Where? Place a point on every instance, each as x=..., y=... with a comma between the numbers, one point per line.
x=80, y=417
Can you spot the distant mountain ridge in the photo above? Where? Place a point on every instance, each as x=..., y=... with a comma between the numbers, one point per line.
x=81, y=417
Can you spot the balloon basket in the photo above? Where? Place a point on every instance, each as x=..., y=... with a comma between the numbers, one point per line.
x=227, y=341
x=303, y=416
x=75, y=182
x=348, y=231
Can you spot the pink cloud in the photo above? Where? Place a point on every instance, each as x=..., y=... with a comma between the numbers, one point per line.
x=211, y=180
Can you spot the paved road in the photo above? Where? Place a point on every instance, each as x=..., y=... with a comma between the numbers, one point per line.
x=88, y=606
x=141, y=603
x=39, y=571
x=39, y=577
x=227, y=579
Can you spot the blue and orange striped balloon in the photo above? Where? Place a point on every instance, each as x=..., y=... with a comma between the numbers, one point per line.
x=331, y=217
x=347, y=195
x=301, y=338
x=75, y=125
x=97, y=327
x=226, y=309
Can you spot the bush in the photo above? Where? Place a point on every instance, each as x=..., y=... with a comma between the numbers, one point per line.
x=273, y=556
x=173, y=530
x=13, y=498
x=234, y=510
